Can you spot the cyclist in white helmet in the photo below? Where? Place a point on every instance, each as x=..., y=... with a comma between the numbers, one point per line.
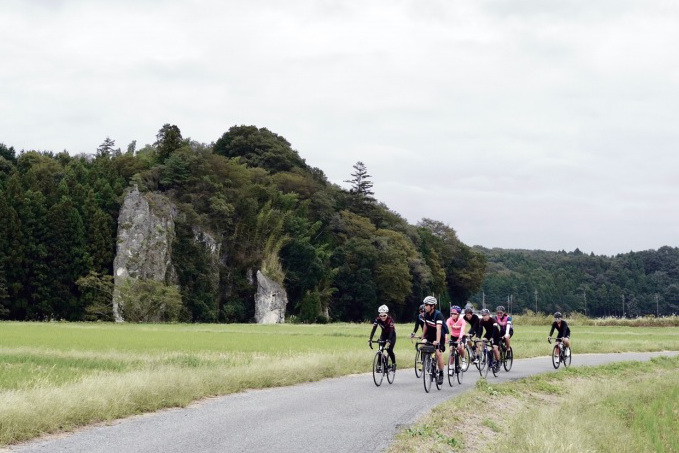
x=434, y=331
x=388, y=331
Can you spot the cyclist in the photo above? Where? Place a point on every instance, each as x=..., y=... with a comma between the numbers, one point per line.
x=388, y=331
x=475, y=329
x=504, y=321
x=491, y=333
x=563, y=331
x=419, y=322
x=434, y=331
x=456, y=326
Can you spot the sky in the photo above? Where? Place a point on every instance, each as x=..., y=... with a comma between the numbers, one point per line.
x=526, y=124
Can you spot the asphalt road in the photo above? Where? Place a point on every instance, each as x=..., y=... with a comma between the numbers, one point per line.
x=348, y=414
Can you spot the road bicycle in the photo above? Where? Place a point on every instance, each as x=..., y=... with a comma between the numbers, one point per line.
x=430, y=366
x=560, y=353
x=454, y=367
x=487, y=361
x=476, y=357
x=382, y=364
x=506, y=355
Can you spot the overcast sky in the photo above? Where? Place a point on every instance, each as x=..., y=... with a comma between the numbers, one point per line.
x=522, y=124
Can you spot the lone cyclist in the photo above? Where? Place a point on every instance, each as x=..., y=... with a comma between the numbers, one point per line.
x=563, y=331
x=388, y=331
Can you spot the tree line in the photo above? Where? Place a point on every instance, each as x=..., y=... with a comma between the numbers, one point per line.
x=339, y=253
x=625, y=285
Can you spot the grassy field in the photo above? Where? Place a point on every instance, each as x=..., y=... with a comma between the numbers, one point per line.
x=621, y=407
x=58, y=376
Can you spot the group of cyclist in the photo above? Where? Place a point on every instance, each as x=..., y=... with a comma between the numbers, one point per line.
x=436, y=330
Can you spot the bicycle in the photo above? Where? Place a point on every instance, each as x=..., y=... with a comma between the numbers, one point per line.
x=506, y=356
x=559, y=355
x=487, y=360
x=477, y=357
x=430, y=366
x=454, y=364
x=382, y=364
x=418, y=360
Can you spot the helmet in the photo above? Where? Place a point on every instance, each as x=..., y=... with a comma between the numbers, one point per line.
x=500, y=308
x=422, y=307
x=485, y=312
x=468, y=310
x=455, y=309
x=383, y=309
x=558, y=315
x=430, y=300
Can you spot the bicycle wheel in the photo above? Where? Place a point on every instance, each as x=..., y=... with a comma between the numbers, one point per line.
x=418, y=363
x=486, y=364
x=468, y=356
x=566, y=358
x=436, y=372
x=391, y=371
x=509, y=360
x=426, y=372
x=555, y=356
x=378, y=374
x=450, y=368
x=494, y=366
x=458, y=368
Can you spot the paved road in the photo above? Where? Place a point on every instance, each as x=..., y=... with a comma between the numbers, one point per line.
x=348, y=414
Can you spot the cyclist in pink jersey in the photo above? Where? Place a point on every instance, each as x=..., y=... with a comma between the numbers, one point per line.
x=456, y=327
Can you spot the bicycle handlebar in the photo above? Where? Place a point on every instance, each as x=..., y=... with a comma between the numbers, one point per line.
x=549, y=339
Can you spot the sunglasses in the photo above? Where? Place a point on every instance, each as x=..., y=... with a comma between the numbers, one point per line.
x=383, y=316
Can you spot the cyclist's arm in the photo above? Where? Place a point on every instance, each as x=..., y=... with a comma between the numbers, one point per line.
x=439, y=329
x=552, y=330
x=417, y=325
x=373, y=331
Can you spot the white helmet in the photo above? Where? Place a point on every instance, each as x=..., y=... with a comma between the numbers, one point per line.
x=430, y=300
x=383, y=309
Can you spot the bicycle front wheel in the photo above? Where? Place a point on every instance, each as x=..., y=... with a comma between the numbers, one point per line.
x=555, y=357
x=418, y=363
x=436, y=372
x=458, y=368
x=391, y=370
x=450, y=368
x=378, y=375
x=509, y=360
x=468, y=355
x=426, y=372
x=566, y=358
x=485, y=365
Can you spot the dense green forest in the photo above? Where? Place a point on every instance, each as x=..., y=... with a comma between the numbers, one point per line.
x=339, y=253
x=631, y=284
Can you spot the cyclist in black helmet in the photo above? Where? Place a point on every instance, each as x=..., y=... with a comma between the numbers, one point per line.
x=419, y=322
x=562, y=330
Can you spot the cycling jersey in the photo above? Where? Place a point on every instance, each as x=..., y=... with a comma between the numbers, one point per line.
x=475, y=324
x=562, y=330
x=491, y=329
x=505, y=322
x=456, y=327
x=388, y=329
x=431, y=321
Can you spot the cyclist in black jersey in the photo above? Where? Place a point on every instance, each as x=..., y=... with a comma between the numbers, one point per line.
x=562, y=330
x=388, y=331
x=419, y=322
x=491, y=332
x=434, y=331
x=475, y=329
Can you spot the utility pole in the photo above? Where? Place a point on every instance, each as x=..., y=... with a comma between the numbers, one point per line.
x=657, y=313
x=623, y=305
x=584, y=295
x=483, y=299
x=536, y=301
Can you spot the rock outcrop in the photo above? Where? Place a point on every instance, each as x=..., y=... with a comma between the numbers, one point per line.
x=270, y=301
x=144, y=246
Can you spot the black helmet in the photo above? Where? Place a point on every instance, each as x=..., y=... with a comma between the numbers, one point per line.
x=558, y=315
x=422, y=307
x=485, y=312
x=468, y=310
x=500, y=308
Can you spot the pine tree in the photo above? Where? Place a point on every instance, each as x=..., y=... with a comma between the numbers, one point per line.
x=361, y=185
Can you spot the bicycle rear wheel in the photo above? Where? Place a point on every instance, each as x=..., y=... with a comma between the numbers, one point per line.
x=418, y=363
x=468, y=356
x=555, y=357
x=378, y=374
x=509, y=360
x=426, y=372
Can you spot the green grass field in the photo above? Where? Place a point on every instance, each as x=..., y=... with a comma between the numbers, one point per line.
x=621, y=407
x=57, y=376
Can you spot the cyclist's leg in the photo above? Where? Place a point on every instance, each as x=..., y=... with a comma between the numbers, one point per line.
x=390, y=351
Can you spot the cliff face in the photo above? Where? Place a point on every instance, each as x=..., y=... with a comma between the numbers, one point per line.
x=144, y=247
x=270, y=301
